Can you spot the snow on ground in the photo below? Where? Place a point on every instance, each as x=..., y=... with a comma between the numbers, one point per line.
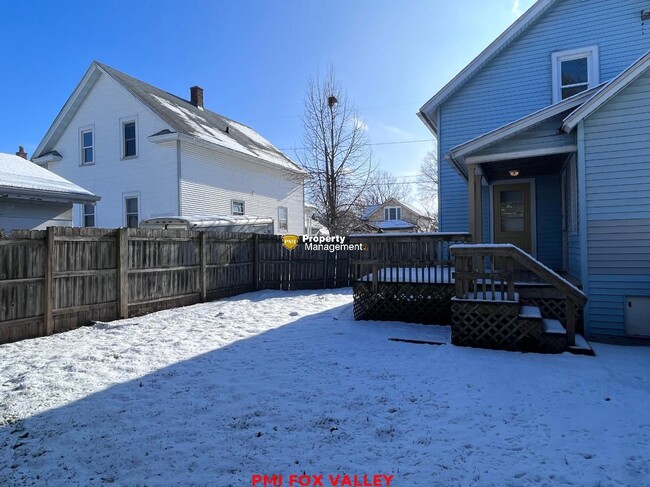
x=277, y=382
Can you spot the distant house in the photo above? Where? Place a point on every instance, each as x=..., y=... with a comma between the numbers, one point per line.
x=33, y=198
x=151, y=154
x=393, y=216
x=544, y=143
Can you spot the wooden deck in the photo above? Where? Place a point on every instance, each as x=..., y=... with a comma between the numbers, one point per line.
x=487, y=305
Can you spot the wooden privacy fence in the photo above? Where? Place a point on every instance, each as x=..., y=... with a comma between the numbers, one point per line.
x=62, y=278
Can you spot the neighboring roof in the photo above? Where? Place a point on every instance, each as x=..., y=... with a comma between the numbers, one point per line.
x=369, y=210
x=393, y=224
x=180, y=114
x=607, y=92
x=501, y=42
x=208, y=221
x=22, y=178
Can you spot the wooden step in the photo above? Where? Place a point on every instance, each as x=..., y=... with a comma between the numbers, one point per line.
x=581, y=347
x=552, y=327
x=530, y=313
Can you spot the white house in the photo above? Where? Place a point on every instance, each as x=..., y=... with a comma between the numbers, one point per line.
x=32, y=198
x=149, y=153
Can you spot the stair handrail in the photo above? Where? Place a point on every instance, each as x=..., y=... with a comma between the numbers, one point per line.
x=573, y=294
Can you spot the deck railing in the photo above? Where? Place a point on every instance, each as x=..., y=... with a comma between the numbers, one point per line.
x=412, y=258
x=489, y=272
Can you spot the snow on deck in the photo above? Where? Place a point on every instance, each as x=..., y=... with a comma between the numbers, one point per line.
x=287, y=382
x=424, y=275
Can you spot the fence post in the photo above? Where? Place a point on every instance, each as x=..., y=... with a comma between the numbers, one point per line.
x=256, y=262
x=48, y=305
x=326, y=270
x=123, y=272
x=203, y=260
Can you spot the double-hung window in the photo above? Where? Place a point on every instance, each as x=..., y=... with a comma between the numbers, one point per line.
x=88, y=215
x=238, y=207
x=393, y=213
x=283, y=218
x=129, y=138
x=574, y=71
x=87, y=146
x=131, y=211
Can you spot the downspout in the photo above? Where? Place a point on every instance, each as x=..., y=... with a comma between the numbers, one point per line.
x=178, y=176
x=582, y=221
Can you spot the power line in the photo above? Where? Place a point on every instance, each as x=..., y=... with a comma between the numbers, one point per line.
x=374, y=143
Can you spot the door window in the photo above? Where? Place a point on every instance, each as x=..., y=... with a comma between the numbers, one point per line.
x=511, y=211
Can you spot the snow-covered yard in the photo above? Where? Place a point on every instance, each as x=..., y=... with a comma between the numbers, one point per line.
x=286, y=383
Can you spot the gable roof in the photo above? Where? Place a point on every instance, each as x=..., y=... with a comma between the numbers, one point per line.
x=500, y=43
x=181, y=115
x=460, y=152
x=22, y=178
x=607, y=92
x=371, y=209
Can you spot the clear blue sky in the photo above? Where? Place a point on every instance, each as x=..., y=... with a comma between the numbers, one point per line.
x=253, y=58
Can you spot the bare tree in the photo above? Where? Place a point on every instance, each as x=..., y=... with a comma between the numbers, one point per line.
x=336, y=153
x=428, y=185
x=382, y=186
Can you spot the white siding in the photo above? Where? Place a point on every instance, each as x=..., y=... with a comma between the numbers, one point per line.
x=28, y=215
x=211, y=179
x=617, y=141
x=152, y=174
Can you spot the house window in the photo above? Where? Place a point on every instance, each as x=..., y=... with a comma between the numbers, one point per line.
x=88, y=215
x=87, y=147
x=574, y=72
x=393, y=213
x=237, y=207
x=283, y=218
x=131, y=211
x=129, y=139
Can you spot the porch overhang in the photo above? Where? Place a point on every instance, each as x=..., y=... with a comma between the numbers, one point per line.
x=539, y=134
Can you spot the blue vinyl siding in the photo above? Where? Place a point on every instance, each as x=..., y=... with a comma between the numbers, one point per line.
x=518, y=80
x=617, y=155
x=548, y=196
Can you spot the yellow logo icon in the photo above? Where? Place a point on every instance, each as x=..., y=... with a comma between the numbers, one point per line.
x=290, y=242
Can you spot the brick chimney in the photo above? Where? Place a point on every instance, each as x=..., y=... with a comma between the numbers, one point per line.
x=21, y=152
x=196, y=96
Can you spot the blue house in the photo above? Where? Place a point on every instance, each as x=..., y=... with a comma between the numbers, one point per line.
x=544, y=143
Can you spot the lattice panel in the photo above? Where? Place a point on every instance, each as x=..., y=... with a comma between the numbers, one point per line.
x=407, y=302
x=555, y=309
x=492, y=325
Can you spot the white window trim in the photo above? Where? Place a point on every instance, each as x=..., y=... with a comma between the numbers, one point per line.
x=280, y=229
x=83, y=214
x=593, y=67
x=398, y=213
x=134, y=194
x=232, y=207
x=123, y=122
x=82, y=131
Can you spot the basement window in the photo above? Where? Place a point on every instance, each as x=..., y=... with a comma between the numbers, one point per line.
x=574, y=71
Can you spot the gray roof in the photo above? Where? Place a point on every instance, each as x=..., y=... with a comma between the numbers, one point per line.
x=187, y=119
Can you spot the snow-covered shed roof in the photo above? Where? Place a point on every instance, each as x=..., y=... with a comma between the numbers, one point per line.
x=22, y=178
x=184, y=117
